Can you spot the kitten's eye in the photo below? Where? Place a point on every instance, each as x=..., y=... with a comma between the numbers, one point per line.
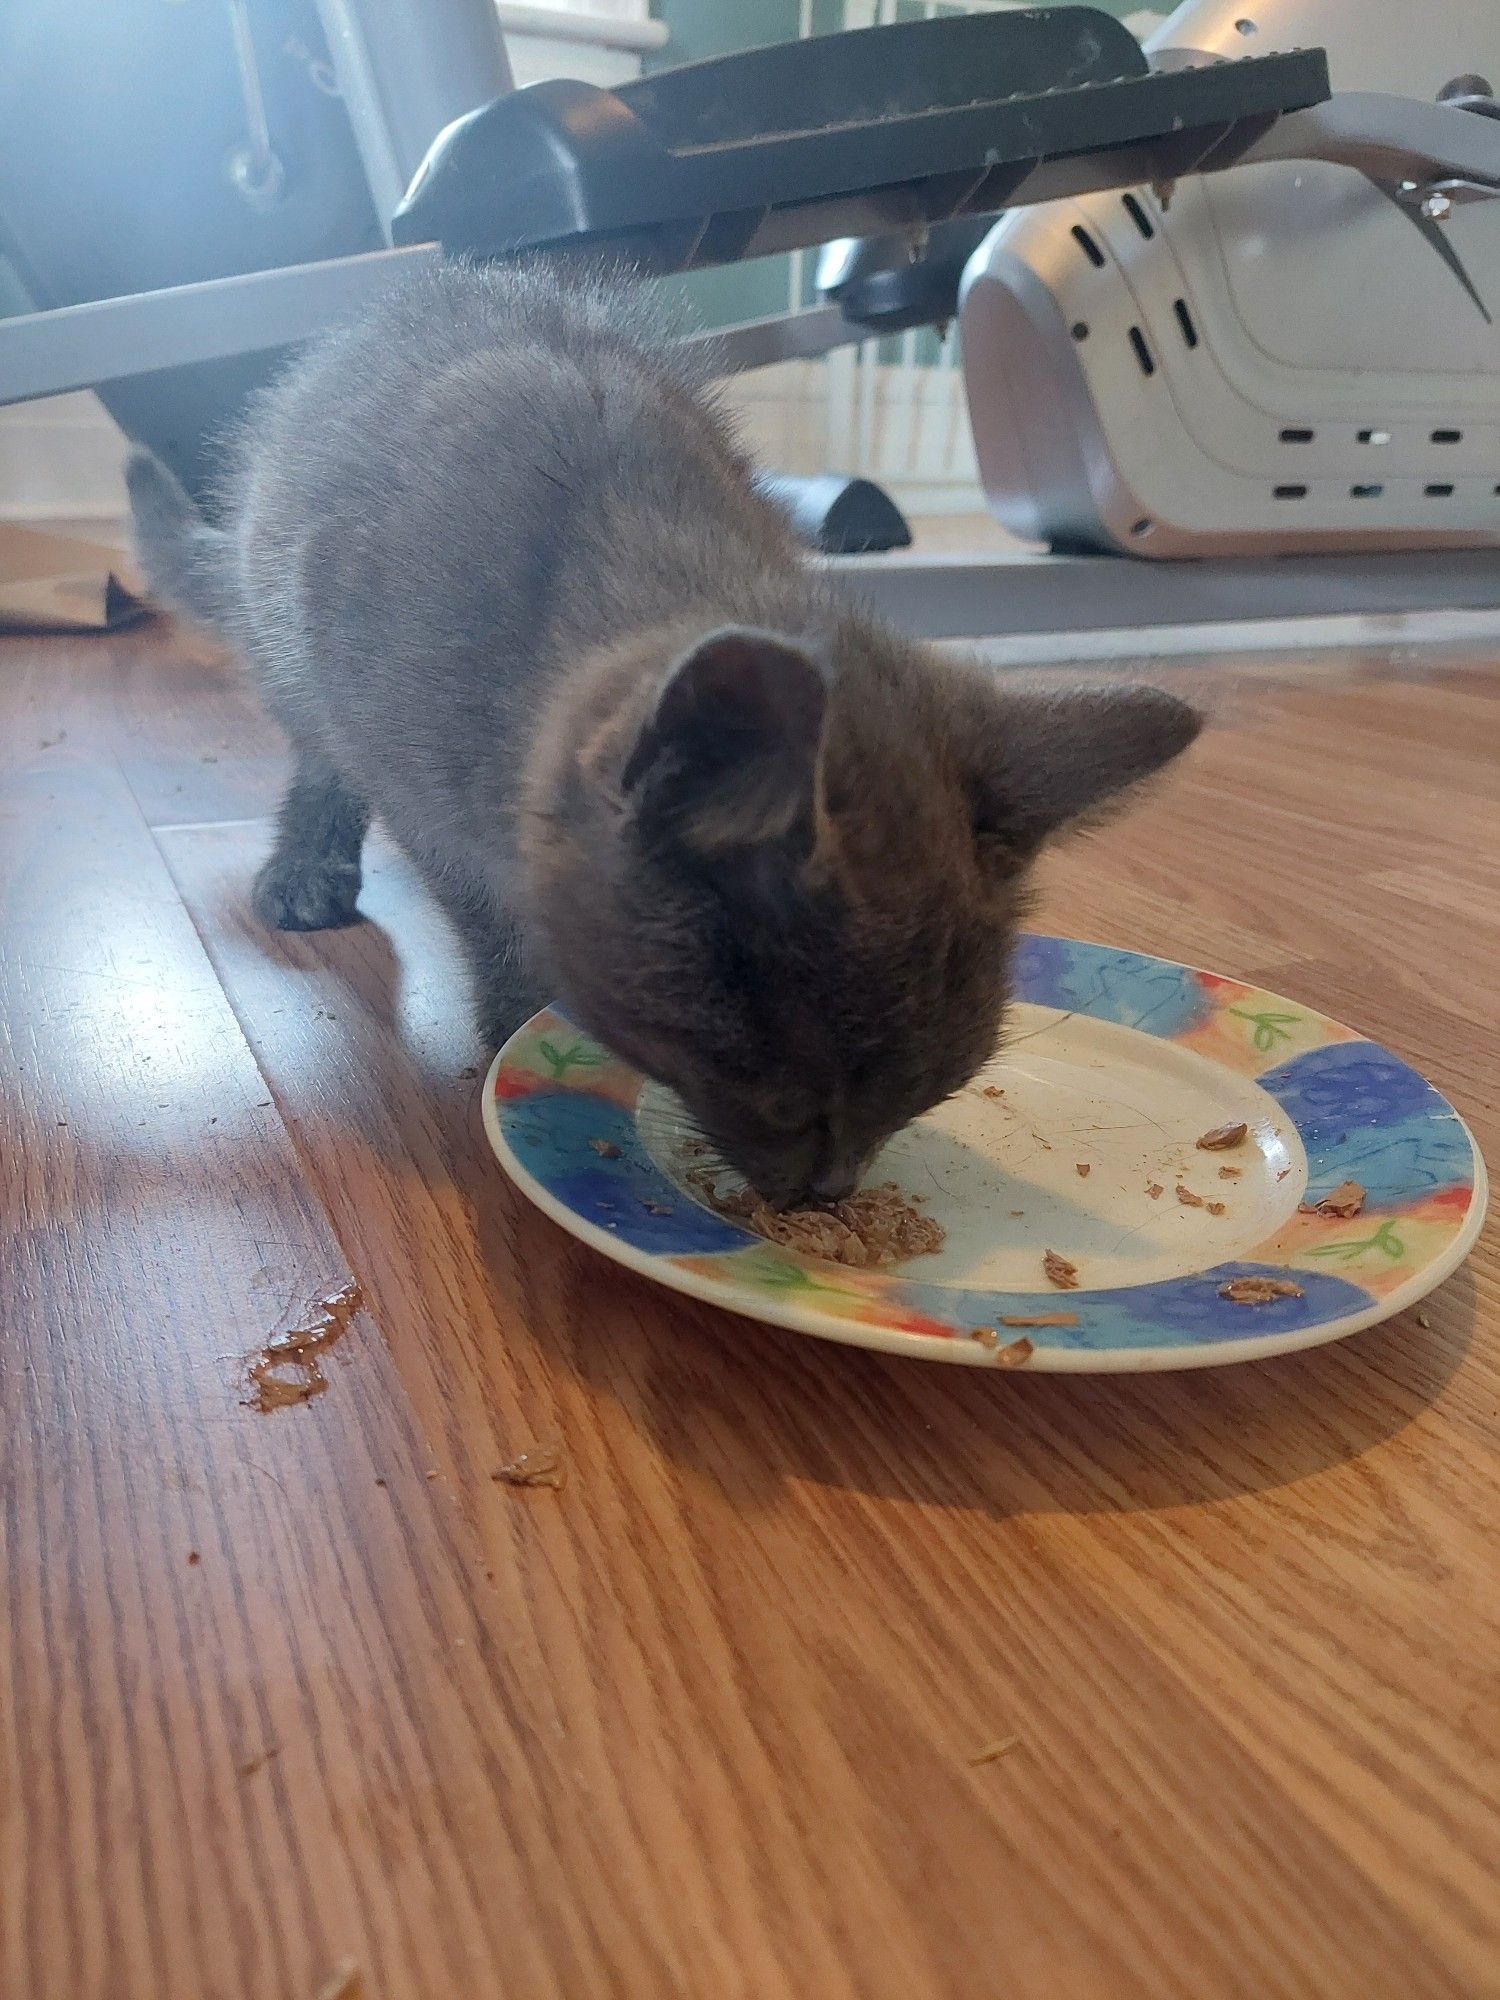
x=786, y=1111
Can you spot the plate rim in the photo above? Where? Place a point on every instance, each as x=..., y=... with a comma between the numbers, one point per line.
x=709, y=1287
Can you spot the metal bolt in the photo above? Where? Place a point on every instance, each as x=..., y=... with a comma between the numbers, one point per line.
x=258, y=181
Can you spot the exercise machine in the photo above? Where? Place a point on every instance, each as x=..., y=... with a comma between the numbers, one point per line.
x=896, y=146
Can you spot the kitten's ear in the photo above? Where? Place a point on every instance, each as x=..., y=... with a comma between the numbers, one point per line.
x=1061, y=756
x=725, y=758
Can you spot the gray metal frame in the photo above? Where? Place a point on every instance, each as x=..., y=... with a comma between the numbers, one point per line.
x=402, y=82
x=1032, y=594
x=405, y=72
x=78, y=347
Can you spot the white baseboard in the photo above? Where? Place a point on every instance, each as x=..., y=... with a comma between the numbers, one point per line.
x=60, y=459
x=904, y=427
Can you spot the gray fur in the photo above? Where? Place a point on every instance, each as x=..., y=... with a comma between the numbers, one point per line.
x=506, y=581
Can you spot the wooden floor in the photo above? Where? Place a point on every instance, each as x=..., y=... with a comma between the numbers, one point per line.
x=307, y=1703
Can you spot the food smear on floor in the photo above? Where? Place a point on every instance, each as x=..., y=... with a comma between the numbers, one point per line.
x=288, y=1370
x=1222, y=1137
x=873, y=1227
x=1257, y=1291
x=539, y=1465
x=1062, y=1273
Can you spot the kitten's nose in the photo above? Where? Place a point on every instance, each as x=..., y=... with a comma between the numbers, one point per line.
x=835, y=1183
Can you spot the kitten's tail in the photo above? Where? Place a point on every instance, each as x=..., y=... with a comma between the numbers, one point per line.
x=187, y=562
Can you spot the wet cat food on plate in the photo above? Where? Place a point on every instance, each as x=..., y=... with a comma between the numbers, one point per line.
x=1258, y=1291
x=873, y=1227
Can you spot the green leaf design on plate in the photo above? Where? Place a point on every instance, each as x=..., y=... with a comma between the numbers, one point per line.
x=1348, y=1250
x=579, y=1056
x=1270, y=1027
x=777, y=1274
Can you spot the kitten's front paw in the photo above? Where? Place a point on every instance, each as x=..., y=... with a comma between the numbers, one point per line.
x=495, y=1022
x=501, y=1008
x=295, y=895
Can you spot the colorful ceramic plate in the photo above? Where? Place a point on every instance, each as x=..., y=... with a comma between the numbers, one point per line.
x=1115, y=1063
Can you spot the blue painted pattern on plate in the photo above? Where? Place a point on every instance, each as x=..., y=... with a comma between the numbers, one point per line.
x=553, y=1134
x=1177, y=1312
x=1366, y=1116
x=1145, y=993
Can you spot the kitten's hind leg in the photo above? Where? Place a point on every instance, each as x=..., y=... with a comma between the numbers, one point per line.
x=311, y=881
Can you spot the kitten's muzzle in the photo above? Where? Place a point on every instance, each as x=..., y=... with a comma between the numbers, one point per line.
x=837, y=1182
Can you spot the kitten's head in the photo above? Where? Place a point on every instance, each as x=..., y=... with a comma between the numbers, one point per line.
x=783, y=875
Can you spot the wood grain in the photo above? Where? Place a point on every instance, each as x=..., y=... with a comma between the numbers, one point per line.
x=701, y=1722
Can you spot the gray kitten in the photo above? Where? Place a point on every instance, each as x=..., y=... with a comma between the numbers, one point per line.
x=507, y=582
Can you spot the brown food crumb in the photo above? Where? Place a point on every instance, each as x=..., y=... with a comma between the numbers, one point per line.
x=605, y=1148
x=1001, y=1747
x=1015, y=1354
x=430, y=1473
x=875, y=1226
x=656, y=1207
x=1153, y=1188
x=193, y=1558
x=694, y=1149
x=253, y=1764
x=1188, y=1199
x=1223, y=1137
x=1346, y=1200
x=1018, y=1211
x=379, y=1481
x=468, y=1075
x=985, y=1335
x=542, y=1465
x=1063, y=1274
x=1230, y=1173
x=1283, y=1174
x=1424, y=1322
x=1082, y=1169
x=993, y=1090
x=343, y=1983
x=1038, y=1319
x=1216, y=1207
x=1259, y=1291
